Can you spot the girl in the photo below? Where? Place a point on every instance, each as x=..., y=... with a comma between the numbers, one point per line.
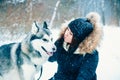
x=76, y=54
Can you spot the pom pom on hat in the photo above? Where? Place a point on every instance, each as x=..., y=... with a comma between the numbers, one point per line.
x=93, y=17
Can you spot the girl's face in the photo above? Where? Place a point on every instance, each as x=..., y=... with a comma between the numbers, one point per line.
x=68, y=35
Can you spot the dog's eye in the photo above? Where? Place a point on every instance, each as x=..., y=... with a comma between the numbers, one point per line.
x=45, y=40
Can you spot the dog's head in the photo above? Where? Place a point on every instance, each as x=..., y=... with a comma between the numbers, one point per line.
x=39, y=43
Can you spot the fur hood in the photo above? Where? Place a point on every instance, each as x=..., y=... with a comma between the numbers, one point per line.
x=92, y=41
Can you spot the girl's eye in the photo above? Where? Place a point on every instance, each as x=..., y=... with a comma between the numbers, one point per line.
x=71, y=33
x=45, y=40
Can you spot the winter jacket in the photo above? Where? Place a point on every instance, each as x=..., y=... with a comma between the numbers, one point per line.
x=74, y=66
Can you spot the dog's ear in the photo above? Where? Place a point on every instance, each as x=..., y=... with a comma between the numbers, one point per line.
x=45, y=25
x=35, y=27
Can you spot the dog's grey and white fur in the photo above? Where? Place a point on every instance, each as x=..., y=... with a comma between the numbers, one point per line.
x=20, y=61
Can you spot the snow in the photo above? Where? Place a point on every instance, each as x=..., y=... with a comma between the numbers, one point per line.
x=109, y=55
x=109, y=62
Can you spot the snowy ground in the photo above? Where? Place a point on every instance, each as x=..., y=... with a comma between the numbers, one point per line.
x=109, y=64
x=109, y=55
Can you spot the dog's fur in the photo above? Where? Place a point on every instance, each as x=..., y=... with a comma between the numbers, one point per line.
x=20, y=61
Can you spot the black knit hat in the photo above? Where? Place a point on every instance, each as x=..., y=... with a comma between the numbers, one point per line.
x=80, y=28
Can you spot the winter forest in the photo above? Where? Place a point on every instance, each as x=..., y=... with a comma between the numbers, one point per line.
x=17, y=16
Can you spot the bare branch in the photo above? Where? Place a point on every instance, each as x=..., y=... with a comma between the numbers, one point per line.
x=54, y=14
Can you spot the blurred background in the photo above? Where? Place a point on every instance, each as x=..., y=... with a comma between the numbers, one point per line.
x=17, y=16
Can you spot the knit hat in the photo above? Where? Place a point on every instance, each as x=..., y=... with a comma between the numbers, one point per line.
x=80, y=28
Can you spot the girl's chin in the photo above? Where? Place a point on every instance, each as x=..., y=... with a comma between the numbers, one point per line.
x=67, y=41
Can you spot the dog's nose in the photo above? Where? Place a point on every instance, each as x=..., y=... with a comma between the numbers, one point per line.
x=54, y=49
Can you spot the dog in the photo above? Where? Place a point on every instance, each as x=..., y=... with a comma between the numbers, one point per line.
x=22, y=60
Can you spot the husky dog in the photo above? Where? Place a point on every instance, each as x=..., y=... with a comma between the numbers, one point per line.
x=20, y=61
